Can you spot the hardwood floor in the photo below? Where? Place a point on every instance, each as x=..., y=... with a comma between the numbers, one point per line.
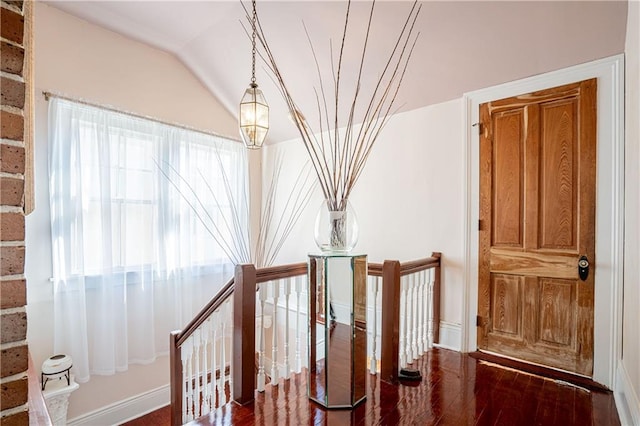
x=456, y=389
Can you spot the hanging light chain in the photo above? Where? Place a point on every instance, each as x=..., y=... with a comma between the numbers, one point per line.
x=254, y=111
x=253, y=42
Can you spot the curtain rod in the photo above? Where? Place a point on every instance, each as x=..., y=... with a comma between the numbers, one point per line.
x=48, y=95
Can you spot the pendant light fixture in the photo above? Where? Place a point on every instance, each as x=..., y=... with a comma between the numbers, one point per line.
x=254, y=111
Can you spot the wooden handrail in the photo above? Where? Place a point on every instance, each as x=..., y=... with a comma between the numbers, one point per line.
x=407, y=268
x=374, y=269
x=414, y=266
x=206, y=312
x=282, y=271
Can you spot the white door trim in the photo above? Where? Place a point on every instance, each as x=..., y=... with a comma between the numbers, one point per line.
x=609, y=200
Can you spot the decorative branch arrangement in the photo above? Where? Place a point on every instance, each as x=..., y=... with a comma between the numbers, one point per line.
x=338, y=158
x=231, y=230
x=272, y=235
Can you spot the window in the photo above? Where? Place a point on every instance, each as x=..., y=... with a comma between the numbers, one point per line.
x=137, y=208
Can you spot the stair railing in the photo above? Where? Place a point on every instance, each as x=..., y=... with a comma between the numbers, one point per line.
x=276, y=287
x=199, y=360
x=212, y=360
x=218, y=356
x=410, y=308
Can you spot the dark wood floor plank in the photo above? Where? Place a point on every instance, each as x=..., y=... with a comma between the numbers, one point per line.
x=483, y=382
x=565, y=405
x=456, y=389
x=160, y=417
x=513, y=393
x=604, y=410
x=547, y=403
x=529, y=401
x=583, y=408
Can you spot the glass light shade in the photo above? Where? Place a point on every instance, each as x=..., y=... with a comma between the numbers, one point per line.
x=254, y=117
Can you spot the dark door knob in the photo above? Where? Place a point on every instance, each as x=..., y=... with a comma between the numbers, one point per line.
x=583, y=268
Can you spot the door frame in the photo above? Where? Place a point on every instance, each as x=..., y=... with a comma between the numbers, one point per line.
x=609, y=203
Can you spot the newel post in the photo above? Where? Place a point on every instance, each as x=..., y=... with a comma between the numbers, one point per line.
x=176, y=383
x=436, y=298
x=244, y=334
x=390, y=321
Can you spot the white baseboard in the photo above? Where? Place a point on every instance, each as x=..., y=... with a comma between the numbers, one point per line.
x=342, y=312
x=125, y=410
x=627, y=400
x=450, y=336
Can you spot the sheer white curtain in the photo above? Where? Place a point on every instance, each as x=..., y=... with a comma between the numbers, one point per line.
x=132, y=258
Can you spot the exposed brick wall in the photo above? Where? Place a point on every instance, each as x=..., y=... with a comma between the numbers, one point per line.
x=13, y=295
x=14, y=360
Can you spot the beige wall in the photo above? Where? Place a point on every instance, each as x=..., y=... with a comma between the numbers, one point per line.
x=80, y=60
x=631, y=319
x=418, y=161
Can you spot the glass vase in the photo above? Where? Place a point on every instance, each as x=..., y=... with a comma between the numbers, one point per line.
x=336, y=230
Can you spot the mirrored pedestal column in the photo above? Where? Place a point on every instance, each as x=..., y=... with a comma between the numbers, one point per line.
x=338, y=329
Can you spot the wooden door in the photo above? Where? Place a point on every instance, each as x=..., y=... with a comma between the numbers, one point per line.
x=537, y=218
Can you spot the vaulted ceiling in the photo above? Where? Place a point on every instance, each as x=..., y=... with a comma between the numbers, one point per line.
x=462, y=45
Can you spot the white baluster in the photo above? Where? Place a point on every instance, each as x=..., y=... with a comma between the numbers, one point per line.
x=421, y=306
x=305, y=322
x=407, y=328
x=211, y=383
x=196, y=374
x=188, y=347
x=222, y=394
x=184, y=356
x=409, y=320
x=427, y=309
x=274, y=335
x=414, y=327
x=369, y=316
x=287, y=293
x=374, y=289
x=403, y=322
x=262, y=295
x=210, y=367
x=424, y=279
x=205, y=406
x=192, y=389
x=379, y=320
x=430, y=316
x=215, y=320
x=228, y=357
x=409, y=284
x=299, y=281
x=229, y=378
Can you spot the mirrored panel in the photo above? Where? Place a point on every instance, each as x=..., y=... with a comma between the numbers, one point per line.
x=337, y=325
